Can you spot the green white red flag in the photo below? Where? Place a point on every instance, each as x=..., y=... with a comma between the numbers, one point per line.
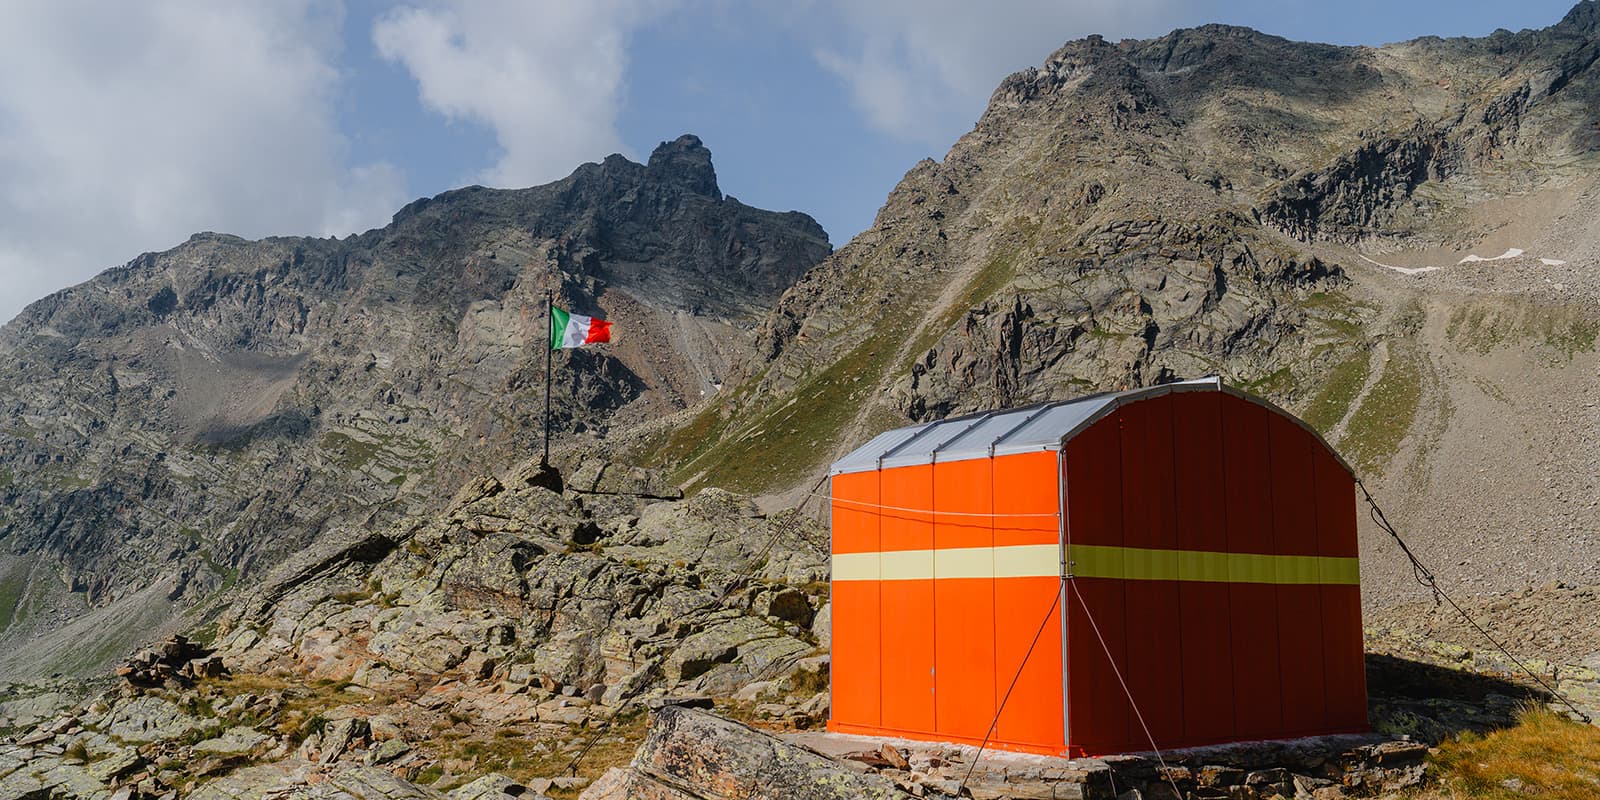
x=576, y=330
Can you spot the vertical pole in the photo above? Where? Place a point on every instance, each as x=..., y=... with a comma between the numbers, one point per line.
x=549, y=350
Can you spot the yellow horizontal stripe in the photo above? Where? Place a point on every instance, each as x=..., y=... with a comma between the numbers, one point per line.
x=1095, y=561
x=906, y=565
x=856, y=567
x=1137, y=563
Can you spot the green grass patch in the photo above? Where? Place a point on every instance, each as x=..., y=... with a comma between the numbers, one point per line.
x=10, y=599
x=6, y=478
x=1381, y=422
x=995, y=275
x=1279, y=383
x=1333, y=400
x=1338, y=313
x=1556, y=334
x=350, y=452
x=1568, y=338
x=684, y=443
x=789, y=440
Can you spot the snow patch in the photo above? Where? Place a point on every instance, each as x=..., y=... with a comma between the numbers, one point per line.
x=1511, y=253
x=1552, y=262
x=1401, y=270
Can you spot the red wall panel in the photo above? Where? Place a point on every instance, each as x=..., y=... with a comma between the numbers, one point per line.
x=1300, y=637
x=1207, y=669
x=1197, y=463
x=1099, y=714
x=1344, y=661
x=1149, y=521
x=1247, y=489
x=1294, y=532
x=1101, y=721
x=1205, y=629
x=1336, y=506
x=1345, y=654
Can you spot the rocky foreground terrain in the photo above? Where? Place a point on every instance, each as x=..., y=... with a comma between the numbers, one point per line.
x=549, y=623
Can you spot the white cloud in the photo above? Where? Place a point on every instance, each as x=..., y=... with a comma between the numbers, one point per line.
x=546, y=77
x=124, y=127
x=922, y=70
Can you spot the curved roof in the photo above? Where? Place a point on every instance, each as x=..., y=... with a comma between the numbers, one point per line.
x=1046, y=426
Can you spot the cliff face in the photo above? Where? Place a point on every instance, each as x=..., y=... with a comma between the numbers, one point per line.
x=193, y=416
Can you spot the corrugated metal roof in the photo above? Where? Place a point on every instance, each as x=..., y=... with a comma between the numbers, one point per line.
x=1041, y=427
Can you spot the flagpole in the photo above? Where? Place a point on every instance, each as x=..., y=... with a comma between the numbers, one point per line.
x=549, y=349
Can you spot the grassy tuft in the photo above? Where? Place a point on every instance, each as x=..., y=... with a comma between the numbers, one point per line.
x=1544, y=755
x=1333, y=400
x=1385, y=416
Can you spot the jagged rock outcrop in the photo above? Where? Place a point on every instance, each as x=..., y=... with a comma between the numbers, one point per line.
x=189, y=419
x=609, y=595
x=693, y=755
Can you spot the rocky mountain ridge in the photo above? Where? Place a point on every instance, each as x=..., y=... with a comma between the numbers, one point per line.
x=1398, y=243
x=196, y=415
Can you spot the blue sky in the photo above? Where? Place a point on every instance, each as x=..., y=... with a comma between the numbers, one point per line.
x=125, y=128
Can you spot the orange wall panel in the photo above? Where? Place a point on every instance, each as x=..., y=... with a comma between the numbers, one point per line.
x=964, y=674
x=906, y=606
x=962, y=488
x=964, y=634
x=906, y=653
x=856, y=657
x=907, y=493
x=1026, y=483
x=855, y=513
x=1034, y=712
x=855, y=646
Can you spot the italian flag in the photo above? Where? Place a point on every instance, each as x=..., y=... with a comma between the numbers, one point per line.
x=576, y=330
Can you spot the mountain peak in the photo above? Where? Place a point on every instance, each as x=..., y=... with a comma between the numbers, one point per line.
x=1585, y=16
x=685, y=161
